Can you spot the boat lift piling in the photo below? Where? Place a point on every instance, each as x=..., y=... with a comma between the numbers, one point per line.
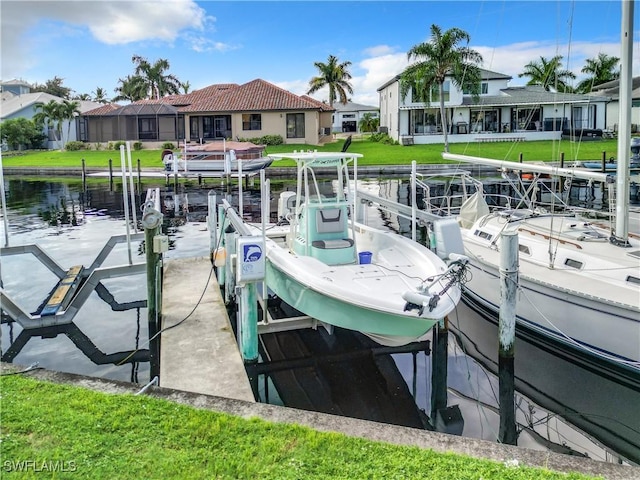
x=155, y=244
x=506, y=333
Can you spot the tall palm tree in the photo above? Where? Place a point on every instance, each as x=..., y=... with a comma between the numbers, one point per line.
x=131, y=89
x=334, y=75
x=548, y=73
x=600, y=69
x=445, y=55
x=67, y=111
x=186, y=86
x=157, y=81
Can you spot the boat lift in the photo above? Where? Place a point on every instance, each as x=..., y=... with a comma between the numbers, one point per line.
x=74, y=287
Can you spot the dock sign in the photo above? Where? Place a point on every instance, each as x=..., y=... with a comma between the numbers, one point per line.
x=251, y=259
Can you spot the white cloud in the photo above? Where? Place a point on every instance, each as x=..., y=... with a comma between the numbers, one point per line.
x=109, y=22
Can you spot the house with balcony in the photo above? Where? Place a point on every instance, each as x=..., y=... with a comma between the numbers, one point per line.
x=498, y=113
x=216, y=112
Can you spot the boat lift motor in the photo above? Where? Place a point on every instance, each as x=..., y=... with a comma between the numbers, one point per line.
x=286, y=205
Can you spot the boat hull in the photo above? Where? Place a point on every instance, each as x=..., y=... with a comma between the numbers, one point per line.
x=384, y=327
x=608, y=330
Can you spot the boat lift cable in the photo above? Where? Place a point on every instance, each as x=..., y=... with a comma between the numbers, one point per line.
x=204, y=290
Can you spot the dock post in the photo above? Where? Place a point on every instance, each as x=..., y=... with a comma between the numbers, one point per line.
x=604, y=162
x=439, y=370
x=110, y=175
x=230, y=245
x=248, y=322
x=212, y=223
x=507, y=332
x=221, y=244
x=151, y=222
x=84, y=175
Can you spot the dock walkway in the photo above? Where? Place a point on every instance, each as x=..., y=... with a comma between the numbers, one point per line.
x=201, y=354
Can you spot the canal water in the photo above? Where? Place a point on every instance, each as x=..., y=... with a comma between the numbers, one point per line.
x=564, y=402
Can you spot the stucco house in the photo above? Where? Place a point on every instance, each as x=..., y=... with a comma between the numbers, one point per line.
x=228, y=111
x=347, y=116
x=612, y=90
x=499, y=113
x=24, y=105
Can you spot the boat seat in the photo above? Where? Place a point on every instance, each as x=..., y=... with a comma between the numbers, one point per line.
x=329, y=244
x=330, y=220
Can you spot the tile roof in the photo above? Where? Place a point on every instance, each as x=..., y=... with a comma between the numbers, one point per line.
x=257, y=95
x=103, y=110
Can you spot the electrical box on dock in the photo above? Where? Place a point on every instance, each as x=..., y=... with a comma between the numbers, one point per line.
x=160, y=244
x=251, y=259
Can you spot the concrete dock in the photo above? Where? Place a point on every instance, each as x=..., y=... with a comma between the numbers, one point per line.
x=201, y=354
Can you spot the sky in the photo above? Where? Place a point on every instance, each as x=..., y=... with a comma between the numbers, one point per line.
x=90, y=43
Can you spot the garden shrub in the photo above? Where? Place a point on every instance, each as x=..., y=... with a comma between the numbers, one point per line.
x=382, y=138
x=168, y=146
x=75, y=145
x=116, y=145
x=137, y=145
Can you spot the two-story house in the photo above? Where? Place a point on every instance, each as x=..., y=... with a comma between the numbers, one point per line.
x=499, y=112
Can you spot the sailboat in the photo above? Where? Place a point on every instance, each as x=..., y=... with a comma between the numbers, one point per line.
x=579, y=279
x=326, y=265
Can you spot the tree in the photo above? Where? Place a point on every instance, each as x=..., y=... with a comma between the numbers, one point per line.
x=67, y=111
x=186, y=86
x=369, y=123
x=548, y=73
x=600, y=69
x=334, y=75
x=48, y=114
x=82, y=97
x=19, y=132
x=131, y=89
x=100, y=95
x=158, y=83
x=54, y=87
x=445, y=55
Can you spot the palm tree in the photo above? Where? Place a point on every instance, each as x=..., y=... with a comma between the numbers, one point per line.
x=48, y=114
x=186, y=86
x=600, y=69
x=100, y=95
x=334, y=75
x=548, y=73
x=158, y=83
x=442, y=57
x=82, y=97
x=131, y=89
x=369, y=123
x=67, y=111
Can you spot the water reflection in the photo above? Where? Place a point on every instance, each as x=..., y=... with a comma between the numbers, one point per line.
x=108, y=338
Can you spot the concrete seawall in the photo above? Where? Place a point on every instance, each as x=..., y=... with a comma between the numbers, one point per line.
x=438, y=442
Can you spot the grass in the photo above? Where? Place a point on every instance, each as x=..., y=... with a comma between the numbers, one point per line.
x=374, y=153
x=100, y=435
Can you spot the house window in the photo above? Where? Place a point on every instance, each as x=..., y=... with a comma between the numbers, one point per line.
x=147, y=129
x=484, y=120
x=295, y=125
x=425, y=121
x=525, y=119
x=251, y=121
x=194, y=128
x=417, y=94
x=484, y=89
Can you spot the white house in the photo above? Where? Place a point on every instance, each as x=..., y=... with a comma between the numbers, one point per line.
x=24, y=106
x=499, y=113
x=612, y=90
x=346, y=117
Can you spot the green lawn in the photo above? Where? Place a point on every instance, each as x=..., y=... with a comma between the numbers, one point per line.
x=95, y=435
x=374, y=153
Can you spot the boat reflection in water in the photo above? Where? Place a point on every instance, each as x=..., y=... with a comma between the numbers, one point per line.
x=556, y=391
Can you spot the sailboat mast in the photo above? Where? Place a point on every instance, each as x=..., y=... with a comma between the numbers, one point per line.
x=624, y=124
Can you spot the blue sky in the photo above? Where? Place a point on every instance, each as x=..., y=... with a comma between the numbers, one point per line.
x=90, y=43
